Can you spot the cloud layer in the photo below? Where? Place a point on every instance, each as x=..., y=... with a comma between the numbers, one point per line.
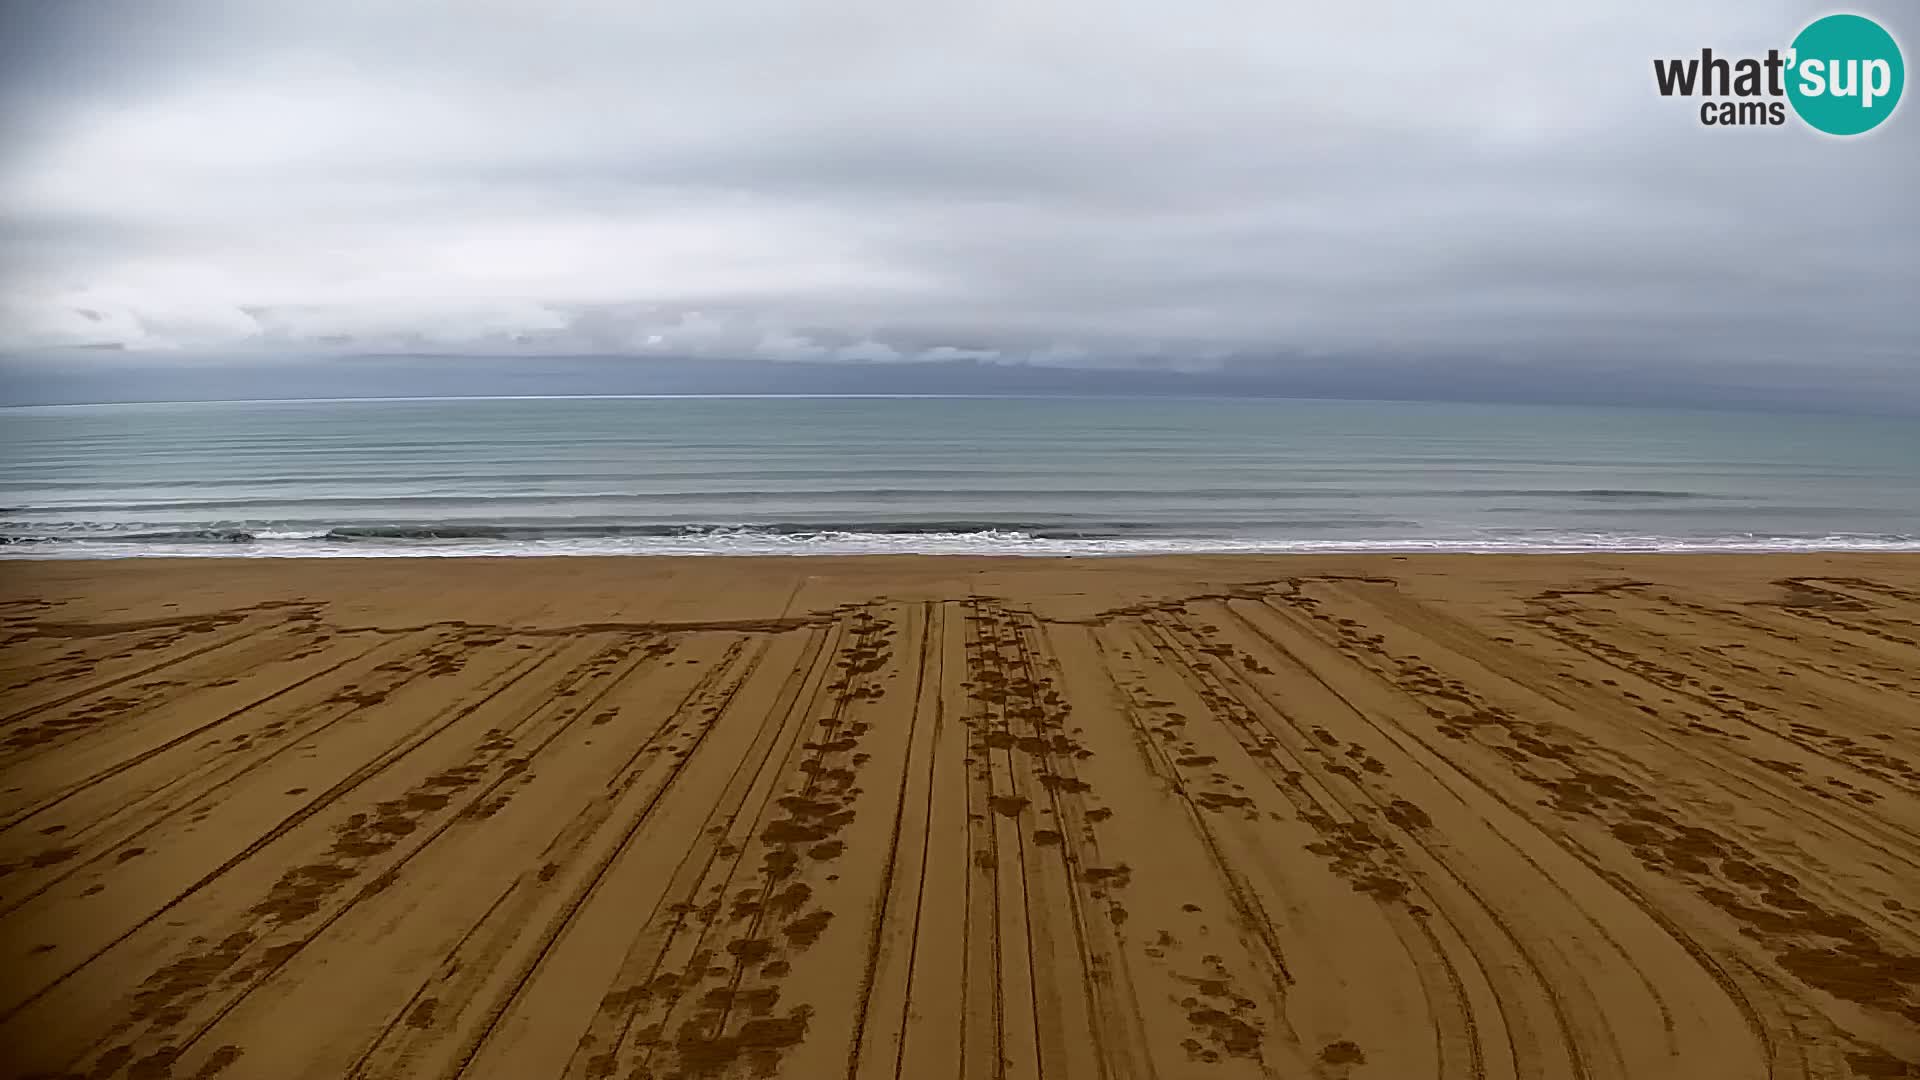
x=1223, y=186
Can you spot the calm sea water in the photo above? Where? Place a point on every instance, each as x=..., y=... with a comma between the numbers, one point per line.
x=1081, y=476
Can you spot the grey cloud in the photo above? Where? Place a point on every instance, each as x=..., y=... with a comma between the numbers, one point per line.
x=1225, y=187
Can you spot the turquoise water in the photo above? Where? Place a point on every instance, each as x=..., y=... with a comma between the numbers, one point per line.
x=746, y=475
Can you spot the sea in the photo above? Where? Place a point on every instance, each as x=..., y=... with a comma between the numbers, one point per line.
x=1004, y=476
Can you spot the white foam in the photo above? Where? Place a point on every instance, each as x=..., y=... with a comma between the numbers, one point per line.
x=308, y=545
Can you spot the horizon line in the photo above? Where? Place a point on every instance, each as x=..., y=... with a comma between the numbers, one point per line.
x=1031, y=396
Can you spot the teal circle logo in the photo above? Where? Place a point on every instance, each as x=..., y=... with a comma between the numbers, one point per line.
x=1845, y=75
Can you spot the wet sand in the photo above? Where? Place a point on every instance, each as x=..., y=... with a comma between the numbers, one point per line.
x=1318, y=817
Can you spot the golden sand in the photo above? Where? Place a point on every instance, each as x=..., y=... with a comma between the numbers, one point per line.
x=1334, y=818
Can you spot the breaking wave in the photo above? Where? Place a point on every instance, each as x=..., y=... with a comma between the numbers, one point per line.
x=88, y=540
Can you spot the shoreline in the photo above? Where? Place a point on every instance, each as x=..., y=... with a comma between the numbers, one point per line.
x=1330, y=815
x=749, y=543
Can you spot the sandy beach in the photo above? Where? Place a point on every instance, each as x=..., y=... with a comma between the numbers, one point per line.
x=1337, y=818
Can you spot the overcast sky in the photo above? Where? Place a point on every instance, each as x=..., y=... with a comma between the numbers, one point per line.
x=1255, y=188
